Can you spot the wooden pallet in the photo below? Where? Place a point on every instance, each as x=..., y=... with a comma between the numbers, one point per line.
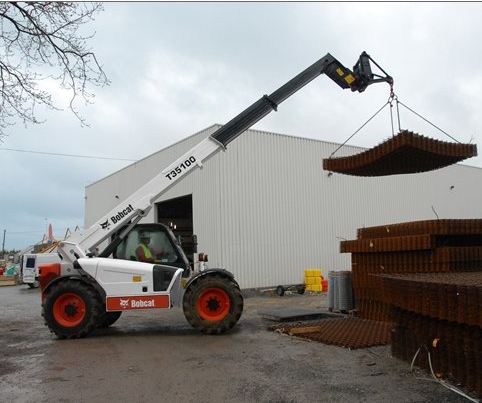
x=8, y=280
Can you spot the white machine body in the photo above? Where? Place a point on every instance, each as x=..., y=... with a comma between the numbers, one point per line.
x=135, y=285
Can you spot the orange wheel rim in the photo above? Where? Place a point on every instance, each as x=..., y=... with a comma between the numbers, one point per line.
x=213, y=304
x=69, y=310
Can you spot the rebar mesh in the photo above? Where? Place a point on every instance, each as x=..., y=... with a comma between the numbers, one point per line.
x=456, y=349
x=426, y=278
x=350, y=333
x=407, y=152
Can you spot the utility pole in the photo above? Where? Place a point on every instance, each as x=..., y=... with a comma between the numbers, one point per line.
x=3, y=244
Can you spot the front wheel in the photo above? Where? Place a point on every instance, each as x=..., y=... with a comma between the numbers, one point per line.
x=71, y=309
x=213, y=304
x=35, y=284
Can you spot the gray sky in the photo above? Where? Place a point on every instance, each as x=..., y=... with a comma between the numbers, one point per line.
x=177, y=68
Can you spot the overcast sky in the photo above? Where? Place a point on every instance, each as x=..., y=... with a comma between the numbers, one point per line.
x=180, y=67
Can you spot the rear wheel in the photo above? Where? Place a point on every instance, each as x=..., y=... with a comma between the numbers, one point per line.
x=71, y=309
x=213, y=304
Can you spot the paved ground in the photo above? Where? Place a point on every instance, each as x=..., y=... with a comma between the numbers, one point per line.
x=155, y=356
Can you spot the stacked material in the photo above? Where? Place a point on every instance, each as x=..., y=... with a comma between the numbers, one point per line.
x=313, y=280
x=454, y=297
x=405, y=153
x=416, y=247
x=350, y=333
x=426, y=278
x=455, y=349
x=442, y=311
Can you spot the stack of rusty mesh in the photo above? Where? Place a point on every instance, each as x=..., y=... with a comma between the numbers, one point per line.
x=443, y=312
x=430, y=246
x=426, y=278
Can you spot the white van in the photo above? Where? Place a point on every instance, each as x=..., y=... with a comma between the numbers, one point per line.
x=29, y=264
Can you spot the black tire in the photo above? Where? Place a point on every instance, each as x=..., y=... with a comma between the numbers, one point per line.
x=35, y=284
x=108, y=319
x=86, y=295
x=195, y=291
x=280, y=290
x=301, y=290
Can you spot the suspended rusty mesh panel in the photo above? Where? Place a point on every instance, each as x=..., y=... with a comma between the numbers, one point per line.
x=405, y=153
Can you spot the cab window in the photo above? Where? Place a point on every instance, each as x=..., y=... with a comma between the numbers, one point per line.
x=148, y=245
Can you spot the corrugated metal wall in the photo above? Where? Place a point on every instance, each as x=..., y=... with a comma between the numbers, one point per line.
x=266, y=210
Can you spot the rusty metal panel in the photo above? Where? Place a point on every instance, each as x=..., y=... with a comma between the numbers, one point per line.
x=352, y=333
x=456, y=297
x=405, y=153
x=392, y=244
x=433, y=227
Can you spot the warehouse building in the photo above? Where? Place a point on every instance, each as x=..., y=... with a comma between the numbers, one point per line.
x=266, y=210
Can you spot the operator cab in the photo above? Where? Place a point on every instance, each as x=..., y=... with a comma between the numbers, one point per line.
x=152, y=243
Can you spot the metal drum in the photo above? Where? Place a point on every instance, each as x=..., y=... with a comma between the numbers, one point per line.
x=345, y=290
x=340, y=291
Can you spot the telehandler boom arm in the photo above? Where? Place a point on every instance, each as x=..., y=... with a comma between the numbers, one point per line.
x=131, y=210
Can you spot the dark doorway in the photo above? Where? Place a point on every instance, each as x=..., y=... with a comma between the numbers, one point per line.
x=177, y=213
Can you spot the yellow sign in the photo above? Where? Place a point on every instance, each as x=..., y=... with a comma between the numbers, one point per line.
x=340, y=71
x=136, y=279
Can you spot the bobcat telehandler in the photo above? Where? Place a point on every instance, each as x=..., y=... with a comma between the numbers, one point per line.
x=90, y=288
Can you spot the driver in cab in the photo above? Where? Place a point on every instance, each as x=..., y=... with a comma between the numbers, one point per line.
x=146, y=254
x=143, y=252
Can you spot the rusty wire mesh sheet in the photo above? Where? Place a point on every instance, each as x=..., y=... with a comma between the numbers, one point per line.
x=432, y=227
x=456, y=297
x=388, y=244
x=405, y=153
x=352, y=333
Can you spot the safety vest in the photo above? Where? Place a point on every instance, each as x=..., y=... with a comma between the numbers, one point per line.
x=147, y=251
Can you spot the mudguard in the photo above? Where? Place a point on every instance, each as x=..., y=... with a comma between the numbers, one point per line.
x=76, y=277
x=210, y=272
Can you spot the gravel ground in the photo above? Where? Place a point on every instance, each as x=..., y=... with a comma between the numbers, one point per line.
x=155, y=356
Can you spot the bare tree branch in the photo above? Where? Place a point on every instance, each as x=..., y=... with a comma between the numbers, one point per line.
x=43, y=40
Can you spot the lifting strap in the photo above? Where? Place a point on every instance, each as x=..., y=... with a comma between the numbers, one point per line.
x=392, y=99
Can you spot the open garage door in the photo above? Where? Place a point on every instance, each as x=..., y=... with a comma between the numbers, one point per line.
x=177, y=213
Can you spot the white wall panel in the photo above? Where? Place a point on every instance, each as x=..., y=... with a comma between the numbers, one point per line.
x=266, y=210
